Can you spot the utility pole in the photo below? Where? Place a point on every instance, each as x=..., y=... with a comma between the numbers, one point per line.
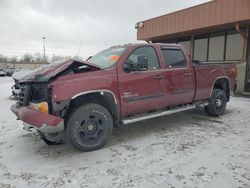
x=44, y=56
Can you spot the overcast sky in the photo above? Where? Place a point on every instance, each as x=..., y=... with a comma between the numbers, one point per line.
x=97, y=24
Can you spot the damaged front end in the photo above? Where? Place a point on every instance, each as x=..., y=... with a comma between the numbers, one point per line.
x=35, y=107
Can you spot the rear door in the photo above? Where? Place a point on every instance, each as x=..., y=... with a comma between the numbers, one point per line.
x=142, y=91
x=180, y=76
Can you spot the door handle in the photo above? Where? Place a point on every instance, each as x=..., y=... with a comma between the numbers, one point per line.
x=188, y=74
x=159, y=77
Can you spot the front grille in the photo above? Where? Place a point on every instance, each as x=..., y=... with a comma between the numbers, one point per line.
x=34, y=93
x=23, y=95
x=38, y=93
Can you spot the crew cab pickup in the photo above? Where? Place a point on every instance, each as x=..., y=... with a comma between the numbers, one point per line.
x=84, y=101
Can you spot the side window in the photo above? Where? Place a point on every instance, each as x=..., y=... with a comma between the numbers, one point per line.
x=174, y=58
x=149, y=52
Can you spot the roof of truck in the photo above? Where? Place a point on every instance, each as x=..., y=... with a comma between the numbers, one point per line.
x=147, y=44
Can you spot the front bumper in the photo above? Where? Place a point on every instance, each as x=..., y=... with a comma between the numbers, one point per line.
x=33, y=118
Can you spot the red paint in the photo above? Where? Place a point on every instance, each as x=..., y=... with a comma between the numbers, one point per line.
x=34, y=117
x=143, y=83
x=178, y=86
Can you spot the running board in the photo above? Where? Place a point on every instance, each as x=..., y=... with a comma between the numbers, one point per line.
x=158, y=114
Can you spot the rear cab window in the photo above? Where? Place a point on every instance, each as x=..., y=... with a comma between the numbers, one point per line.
x=174, y=57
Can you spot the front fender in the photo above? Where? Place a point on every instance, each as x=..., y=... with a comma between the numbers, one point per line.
x=69, y=87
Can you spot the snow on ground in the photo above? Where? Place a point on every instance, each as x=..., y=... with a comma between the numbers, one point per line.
x=187, y=149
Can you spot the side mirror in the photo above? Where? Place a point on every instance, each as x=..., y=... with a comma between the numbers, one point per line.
x=128, y=66
x=140, y=65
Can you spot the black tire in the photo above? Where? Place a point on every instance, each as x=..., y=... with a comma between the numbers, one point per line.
x=89, y=127
x=48, y=142
x=51, y=139
x=217, y=103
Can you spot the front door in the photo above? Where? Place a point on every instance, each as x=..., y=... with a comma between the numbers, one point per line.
x=142, y=91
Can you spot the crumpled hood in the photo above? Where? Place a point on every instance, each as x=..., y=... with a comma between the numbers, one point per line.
x=45, y=73
x=21, y=74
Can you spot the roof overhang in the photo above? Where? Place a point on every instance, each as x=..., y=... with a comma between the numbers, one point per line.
x=217, y=15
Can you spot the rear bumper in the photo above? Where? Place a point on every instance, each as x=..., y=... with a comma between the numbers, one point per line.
x=32, y=118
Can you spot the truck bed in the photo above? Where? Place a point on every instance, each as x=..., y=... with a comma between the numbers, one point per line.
x=206, y=75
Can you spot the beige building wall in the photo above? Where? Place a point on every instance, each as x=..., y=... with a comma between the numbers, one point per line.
x=241, y=70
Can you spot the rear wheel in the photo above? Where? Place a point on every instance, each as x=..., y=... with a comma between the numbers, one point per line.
x=89, y=127
x=217, y=103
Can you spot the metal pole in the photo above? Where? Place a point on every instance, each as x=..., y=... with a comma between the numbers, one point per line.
x=44, y=56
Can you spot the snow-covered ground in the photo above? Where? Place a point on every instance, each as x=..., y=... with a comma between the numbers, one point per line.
x=183, y=150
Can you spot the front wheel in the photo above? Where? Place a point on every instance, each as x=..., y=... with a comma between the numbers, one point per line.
x=53, y=138
x=89, y=127
x=217, y=103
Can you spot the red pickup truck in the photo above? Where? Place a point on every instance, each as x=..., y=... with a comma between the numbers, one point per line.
x=120, y=85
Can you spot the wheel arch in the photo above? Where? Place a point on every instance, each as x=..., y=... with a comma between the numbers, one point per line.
x=105, y=98
x=222, y=83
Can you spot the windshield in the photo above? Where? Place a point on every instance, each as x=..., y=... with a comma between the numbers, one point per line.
x=107, y=58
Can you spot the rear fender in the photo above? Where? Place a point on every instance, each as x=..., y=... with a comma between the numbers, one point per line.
x=223, y=83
